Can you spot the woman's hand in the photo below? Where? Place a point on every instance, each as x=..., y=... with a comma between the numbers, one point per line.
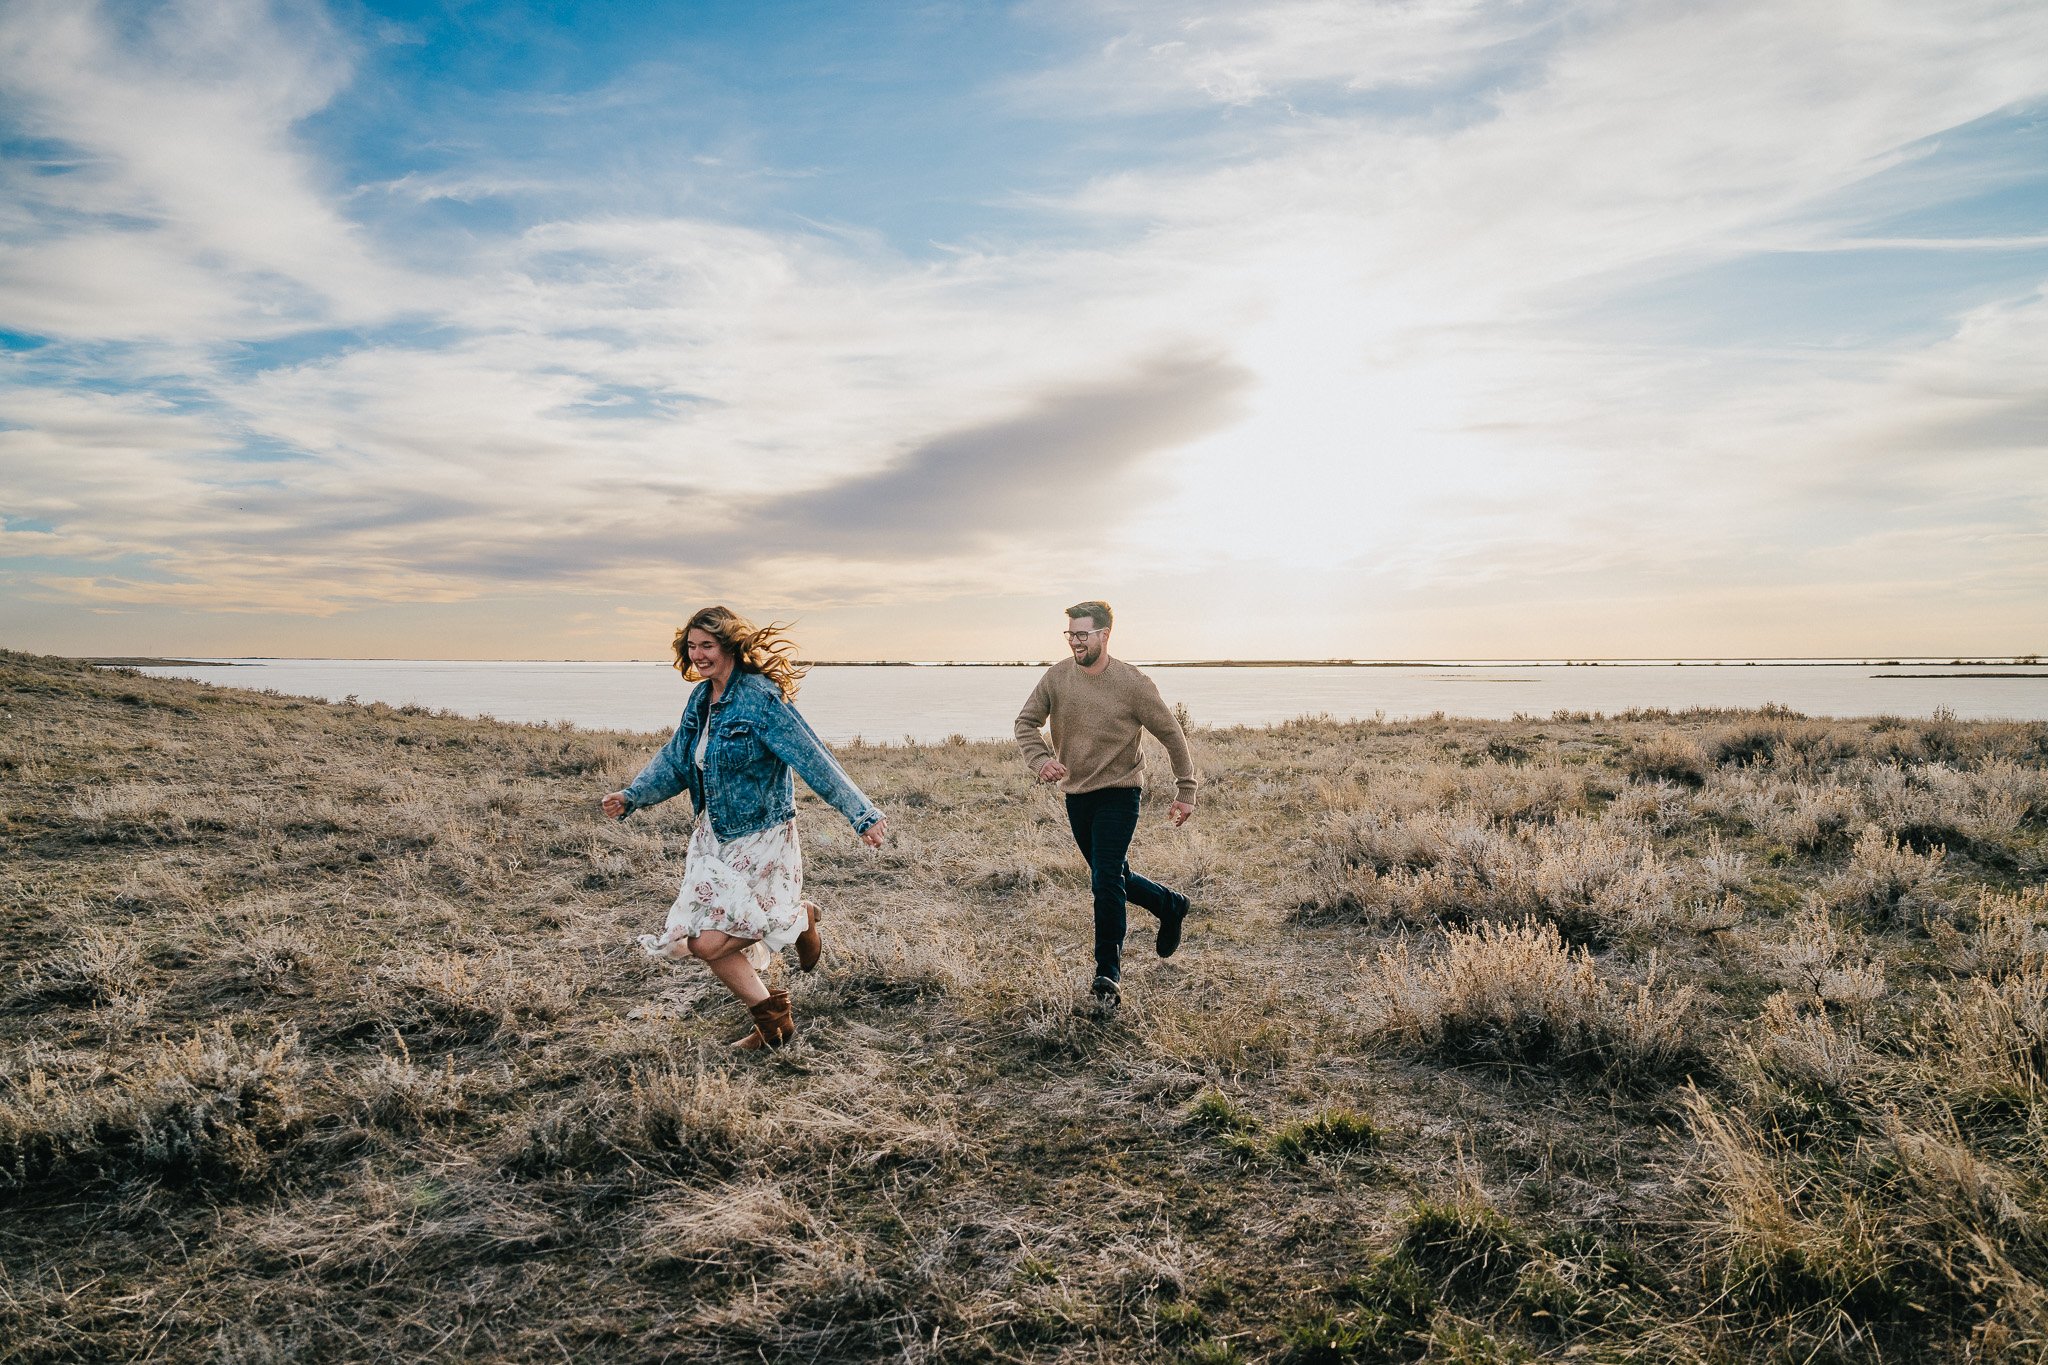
x=877, y=834
x=614, y=804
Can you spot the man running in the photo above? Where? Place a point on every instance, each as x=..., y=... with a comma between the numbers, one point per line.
x=1098, y=706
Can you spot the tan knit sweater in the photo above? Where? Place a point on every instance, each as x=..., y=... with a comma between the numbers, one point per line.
x=1095, y=726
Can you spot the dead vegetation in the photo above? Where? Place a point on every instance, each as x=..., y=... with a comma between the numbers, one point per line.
x=1692, y=1037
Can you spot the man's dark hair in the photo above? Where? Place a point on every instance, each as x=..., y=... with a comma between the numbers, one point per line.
x=1098, y=612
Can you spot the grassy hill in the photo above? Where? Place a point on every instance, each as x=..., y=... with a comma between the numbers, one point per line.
x=1710, y=1036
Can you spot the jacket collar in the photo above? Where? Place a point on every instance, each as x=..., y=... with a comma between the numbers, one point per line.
x=699, y=704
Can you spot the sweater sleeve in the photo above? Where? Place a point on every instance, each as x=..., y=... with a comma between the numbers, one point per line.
x=1031, y=724
x=1154, y=716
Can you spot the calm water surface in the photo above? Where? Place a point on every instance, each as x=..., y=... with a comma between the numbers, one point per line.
x=923, y=703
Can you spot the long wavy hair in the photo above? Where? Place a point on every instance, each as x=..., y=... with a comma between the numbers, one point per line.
x=754, y=649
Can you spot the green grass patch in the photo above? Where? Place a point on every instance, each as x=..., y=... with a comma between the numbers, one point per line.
x=1332, y=1132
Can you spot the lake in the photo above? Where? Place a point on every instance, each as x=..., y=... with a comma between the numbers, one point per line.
x=887, y=704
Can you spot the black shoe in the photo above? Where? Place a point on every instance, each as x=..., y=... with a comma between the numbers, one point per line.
x=1169, y=929
x=1107, y=994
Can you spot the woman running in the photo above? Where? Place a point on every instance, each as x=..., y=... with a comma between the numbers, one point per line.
x=733, y=751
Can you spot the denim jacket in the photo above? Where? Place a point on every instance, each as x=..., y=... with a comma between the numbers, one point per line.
x=756, y=738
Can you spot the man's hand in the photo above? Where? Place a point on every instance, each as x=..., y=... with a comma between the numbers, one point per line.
x=877, y=834
x=1177, y=814
x=614, y=804
x=1052, y=770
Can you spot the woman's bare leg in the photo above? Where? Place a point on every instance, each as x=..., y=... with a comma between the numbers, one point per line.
x=727, y=958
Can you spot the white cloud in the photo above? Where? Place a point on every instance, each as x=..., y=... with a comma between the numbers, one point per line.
x=461, y=188
x=180, y=125
x=1167, y=51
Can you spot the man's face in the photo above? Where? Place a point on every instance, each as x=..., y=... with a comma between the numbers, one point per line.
x=1086, y=641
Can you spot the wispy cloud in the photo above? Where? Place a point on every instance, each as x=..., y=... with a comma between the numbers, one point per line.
x=187, y=209
x=1164, y=52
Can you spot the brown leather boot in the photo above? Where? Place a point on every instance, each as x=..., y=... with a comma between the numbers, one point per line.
x=773, y=1025
x=809, y=947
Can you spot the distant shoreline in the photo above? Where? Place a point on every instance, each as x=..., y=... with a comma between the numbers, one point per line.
x=880, y=697
x=100, y=662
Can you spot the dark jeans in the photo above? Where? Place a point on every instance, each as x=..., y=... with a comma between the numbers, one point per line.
x=1103, y=823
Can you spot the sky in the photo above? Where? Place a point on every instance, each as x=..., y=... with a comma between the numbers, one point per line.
x=1293, y=328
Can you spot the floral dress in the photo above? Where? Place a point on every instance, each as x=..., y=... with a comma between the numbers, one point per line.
x=750, y=887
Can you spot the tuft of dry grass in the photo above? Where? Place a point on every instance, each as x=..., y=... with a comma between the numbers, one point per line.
x=1518, y=993
x=463, y=997
x=1909, y=1240
x=1986, y=1042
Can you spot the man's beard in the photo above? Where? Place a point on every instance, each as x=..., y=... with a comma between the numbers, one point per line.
x=1089, y=657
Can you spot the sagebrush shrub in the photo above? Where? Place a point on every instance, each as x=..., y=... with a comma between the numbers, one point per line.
x=1886, y=883
x=1805, y=816
x=1658, y=805
x=215, y=1107
x=1826, y=962
x=1592, y=879
x=94, y=968
x=397, y=1093
x=1803, y=1049
x=2011, y=929
x=1784, y=743
x=1668, y=758
x=1721, y=869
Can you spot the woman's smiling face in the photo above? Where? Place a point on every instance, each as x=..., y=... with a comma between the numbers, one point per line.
x=708, y=658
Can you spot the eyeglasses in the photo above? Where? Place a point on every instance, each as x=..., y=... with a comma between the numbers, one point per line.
x=1084, y=634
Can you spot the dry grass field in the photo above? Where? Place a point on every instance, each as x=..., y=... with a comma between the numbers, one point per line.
x=1696, y=1037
